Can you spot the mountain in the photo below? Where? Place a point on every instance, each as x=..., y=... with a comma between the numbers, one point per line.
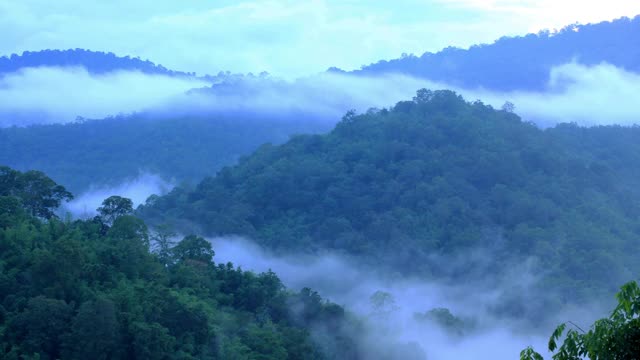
x=94, y=61
x=110, y=151
x=432, y=180
x=523, y=63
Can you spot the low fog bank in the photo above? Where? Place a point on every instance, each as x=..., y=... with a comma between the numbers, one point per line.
x=399, y=310
x=61, y=94
x=587, y=95
x=138, y=190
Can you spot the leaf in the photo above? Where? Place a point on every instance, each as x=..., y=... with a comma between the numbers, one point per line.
x=554, y=337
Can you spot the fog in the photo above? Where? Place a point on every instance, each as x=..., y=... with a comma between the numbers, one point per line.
x=351, y=284
x=596, y=95
x=60, y=95
x=587, y=95
x=138, y=190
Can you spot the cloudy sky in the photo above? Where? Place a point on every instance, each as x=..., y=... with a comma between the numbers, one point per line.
x=283, y=37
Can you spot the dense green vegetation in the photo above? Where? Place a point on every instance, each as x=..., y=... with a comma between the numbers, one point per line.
x=439, y=178
x=523, y=62
x=109, y=151
x=616, y=337
x=94, y=289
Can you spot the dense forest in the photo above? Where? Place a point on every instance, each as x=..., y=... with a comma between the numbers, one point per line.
x=177, y=148
x=108, y=288
x=438, y=175
x=523, y=63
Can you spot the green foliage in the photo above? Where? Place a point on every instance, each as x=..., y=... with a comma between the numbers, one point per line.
x=114, y=207
x=438, y=176
x=445, y=319
x=616, y=337
x=37, y=193
x=178, y=148
x=88, y=289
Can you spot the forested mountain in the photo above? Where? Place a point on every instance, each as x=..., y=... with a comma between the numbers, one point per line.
x=178, y=148
x=108, y=288
x=523, y=63
x=94, y=61
x=438, y=177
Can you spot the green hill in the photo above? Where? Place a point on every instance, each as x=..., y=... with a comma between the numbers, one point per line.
x=108, y=288
x=438, y=177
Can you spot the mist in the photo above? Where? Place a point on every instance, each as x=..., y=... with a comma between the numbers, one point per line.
x=61, y=94
x=352, y=285
x=586, y=95
x=138, y=190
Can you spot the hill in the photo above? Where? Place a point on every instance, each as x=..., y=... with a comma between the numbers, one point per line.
x=523, y=63
x=107, y=288
x=95, y=62
x=432, y=180
x=109, y=151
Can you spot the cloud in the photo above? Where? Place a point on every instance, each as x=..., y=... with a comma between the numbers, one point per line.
x=285, y=37
x=138, y=190
x=587, y=95
x=46, y=94
x=551, y=14
x=351, y=284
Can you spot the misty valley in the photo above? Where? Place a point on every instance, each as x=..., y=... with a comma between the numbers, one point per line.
x=470, y=203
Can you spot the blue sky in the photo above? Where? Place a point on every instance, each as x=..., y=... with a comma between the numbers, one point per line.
x=283, y=37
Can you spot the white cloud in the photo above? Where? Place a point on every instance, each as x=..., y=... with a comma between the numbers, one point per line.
x=40, y=95
x=595, y=95
x=138, y=190
x=587, y=95
x=553, y=14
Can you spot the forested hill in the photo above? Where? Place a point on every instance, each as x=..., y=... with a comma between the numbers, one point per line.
x=438, y=177
x=177, y=148
x=523, y=63
x=108, y=288
x=94, y=61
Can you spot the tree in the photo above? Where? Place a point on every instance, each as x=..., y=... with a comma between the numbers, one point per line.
x=508, y=107
x=95, y=332
x=115, y=206
x=616, y=337
x=423, y=96
x=39, y=195
x=162, y=239
x=193, y=248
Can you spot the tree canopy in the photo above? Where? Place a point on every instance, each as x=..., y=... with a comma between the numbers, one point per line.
x=91, y=289
x=438, y=176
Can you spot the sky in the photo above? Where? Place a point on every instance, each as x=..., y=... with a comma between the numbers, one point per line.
x=283, y=37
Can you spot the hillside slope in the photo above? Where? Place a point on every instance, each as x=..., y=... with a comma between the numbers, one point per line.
x=523, y=63
x=110, y=151
x=95, y=62
x=437, y=178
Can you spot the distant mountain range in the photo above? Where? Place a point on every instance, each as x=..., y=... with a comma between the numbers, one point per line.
x=510, y=63
x=95, y=62
x=523, y=63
